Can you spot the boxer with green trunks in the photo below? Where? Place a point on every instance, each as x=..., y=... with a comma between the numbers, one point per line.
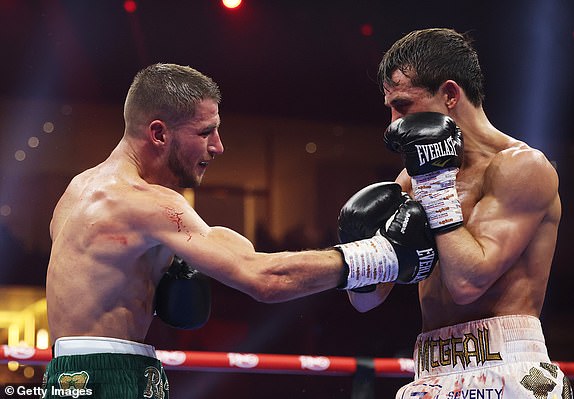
x=119, y=225
x=100, y=367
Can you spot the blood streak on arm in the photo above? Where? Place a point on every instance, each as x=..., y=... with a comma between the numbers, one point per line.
x=175, y=217
x=119, y=239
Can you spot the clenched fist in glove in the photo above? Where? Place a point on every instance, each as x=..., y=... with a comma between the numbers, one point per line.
x=386, y=238
x=432, y=148
x=183, y=296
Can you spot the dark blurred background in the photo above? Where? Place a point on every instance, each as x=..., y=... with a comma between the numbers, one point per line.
x=302, y=122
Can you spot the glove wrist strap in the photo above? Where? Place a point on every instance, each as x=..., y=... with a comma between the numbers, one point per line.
x=370, y=261
x=436, y=192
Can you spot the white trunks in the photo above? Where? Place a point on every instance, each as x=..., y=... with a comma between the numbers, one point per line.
x=497, y=358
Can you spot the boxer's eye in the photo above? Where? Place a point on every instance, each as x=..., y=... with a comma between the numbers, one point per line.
x=402, y=107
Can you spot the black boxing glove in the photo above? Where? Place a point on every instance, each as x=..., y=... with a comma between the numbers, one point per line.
x=413, y=241
x=183, y=296
x=402, y=250
x=365, y=212
x=432, y=147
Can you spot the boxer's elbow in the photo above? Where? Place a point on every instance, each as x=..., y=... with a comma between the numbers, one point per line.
x=465, y=292
x=257, y=280
x=467, y=285
x=464, y=297
x=362, y=306
x=264, y=286
x=281, y=286
x=270, y=291
x=265, y=292
x=365, y=301
x=271, y=279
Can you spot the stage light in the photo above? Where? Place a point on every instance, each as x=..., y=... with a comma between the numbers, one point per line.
x=231, y=3
x=33, y=142
x=48, y=127
x=20, y=155
x=42, y=339
x=28, y=372
x=367, y=30
x=5, y=210
x=130, y=6
x=13, y=365
x=311, y=147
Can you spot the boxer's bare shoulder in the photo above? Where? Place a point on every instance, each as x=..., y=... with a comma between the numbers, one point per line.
x=523, y=179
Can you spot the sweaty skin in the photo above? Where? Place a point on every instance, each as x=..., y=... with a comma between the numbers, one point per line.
x=498, y=263
x=118, y=225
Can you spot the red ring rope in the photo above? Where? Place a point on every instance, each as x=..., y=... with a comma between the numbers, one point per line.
x=252, y=363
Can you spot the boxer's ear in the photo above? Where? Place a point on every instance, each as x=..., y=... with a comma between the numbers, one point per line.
x=451, y=92
x=157, y=130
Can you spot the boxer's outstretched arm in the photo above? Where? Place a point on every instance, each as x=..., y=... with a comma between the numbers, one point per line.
x=230, y=258
x=268, y=277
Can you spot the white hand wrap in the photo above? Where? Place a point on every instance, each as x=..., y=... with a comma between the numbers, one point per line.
x=436, y=192
x=370, y=261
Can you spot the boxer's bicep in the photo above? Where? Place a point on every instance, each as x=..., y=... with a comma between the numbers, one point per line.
x=516, y=201
x=502, y=233
x=215, y=251
x=517, y=193
x=230, y=258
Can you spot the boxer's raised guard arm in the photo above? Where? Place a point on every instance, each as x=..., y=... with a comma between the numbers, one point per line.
x=432, y=147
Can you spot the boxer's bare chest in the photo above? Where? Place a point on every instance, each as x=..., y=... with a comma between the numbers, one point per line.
x=471, y=184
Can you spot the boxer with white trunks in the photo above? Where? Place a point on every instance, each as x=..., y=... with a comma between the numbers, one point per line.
x=493, y=204
x=495, y=358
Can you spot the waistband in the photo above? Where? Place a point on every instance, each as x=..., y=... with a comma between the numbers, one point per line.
x=480, y=344
x=66, y=346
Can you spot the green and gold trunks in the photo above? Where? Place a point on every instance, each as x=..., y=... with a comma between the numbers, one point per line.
x=104, y=368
